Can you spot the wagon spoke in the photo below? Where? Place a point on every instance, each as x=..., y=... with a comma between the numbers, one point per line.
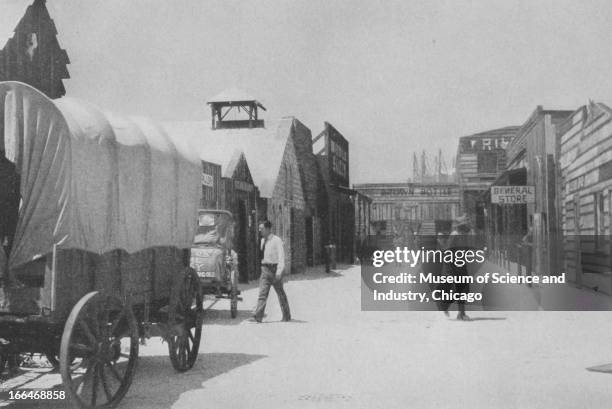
x=94, y=385
x=114, y=371
x=105, y=317
x=185, y=349
x=95, y=319
x=81, y=347
x=190, y=336
x=82, y=379
x=87, y=332
x=181, y=352
x=109, y=395
x=116, y=322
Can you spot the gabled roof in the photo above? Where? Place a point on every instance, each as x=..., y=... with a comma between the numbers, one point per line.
x=493, y=132
x=263, y=148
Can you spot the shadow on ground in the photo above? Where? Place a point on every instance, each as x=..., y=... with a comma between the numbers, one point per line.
x=293, y=321
x=318, y=274
x=606, y=368
x=157, y=385
x=223, y=317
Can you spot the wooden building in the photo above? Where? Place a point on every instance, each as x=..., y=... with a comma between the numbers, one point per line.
x=240, y=196
x=32, y=53
x=276, y=174
x=362, y=210
x=227, y=184
x=230, y=187
x=481, y=158
x=401, y=210
x=531, y=161
x=211, y=186
x=585, y=169
x=332, y=150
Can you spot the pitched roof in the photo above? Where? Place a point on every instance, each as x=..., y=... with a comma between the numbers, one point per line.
x=494, y=132
x=263, y=148
x=234, y=95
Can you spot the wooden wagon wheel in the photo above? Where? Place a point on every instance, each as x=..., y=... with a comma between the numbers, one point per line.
x=185, y=320
x=99, y=351
x=234, y=293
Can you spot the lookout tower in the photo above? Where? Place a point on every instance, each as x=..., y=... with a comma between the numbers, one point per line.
x=235, y=109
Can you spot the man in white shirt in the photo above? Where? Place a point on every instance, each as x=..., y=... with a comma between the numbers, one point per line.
x=272, y=268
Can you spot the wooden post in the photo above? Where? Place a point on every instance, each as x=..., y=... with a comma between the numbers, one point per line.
x=519, y=260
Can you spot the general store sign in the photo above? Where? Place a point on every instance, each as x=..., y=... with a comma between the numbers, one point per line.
x=512, y=194
x=208, y=180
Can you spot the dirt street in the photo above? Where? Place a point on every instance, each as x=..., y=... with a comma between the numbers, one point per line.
x=333, y=355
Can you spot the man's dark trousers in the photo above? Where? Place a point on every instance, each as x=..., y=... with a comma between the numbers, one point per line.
x=266, y=280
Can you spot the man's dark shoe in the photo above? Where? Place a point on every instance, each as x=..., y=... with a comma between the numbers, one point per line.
x=254, y=320
x=286, y=319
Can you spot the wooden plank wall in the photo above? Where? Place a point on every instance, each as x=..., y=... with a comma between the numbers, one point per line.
x=211, y=194
x=585, y=164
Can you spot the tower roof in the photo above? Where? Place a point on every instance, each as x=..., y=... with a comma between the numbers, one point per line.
x=234, y=95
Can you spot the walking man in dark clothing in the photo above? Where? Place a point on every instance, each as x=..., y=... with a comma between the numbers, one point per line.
x=457, y=240
x=272, y=268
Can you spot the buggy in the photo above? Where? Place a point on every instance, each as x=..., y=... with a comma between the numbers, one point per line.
x=214, y=259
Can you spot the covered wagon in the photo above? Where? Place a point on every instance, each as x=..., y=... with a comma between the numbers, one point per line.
x=96, y=230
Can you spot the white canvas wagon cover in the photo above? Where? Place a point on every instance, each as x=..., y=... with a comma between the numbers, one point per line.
x=95, y=181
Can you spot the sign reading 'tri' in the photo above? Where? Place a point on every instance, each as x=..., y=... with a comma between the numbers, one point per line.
x=512, y=194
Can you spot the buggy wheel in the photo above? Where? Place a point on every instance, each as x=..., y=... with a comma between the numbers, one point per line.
x=98, y=352
x=185, y=320
x=234, y=294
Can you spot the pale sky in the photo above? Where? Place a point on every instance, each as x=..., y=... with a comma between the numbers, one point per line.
x=393, y=76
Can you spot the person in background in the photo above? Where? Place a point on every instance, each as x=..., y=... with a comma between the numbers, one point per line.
x=458, y=240
x=527, y=247
x=272, y=268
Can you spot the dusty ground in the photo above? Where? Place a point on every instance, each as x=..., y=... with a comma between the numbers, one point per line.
x=334, y=355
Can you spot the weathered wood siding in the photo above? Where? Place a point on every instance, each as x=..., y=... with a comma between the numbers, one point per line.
x=285, y=209
x=211, y=185
x=586, y=176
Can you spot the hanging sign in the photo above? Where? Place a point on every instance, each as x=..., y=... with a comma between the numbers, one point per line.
x=208, y=180
x=512, y=194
